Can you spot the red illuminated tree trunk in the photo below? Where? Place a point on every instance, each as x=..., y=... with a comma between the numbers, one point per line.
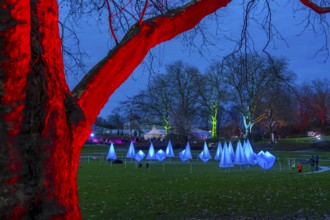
x=43, y=124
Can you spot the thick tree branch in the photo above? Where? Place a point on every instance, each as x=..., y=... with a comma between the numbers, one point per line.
x=317, y=8
x=97, y=86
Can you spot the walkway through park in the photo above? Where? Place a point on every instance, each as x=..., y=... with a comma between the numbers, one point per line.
x=321, y=170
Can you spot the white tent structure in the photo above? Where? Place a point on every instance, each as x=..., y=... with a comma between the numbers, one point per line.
x=200, y=134
x=186, y=153
x=226, y=160
x=239, y=155
x=131, y=151
x=169, y=150
x=112, y=153
x=160, y=155
x=155, y=133
x=265, y=160
x=139, y=156
x=151, y=153
x=205, y=154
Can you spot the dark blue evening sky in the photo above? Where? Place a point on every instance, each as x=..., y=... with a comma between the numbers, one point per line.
x=300, y=51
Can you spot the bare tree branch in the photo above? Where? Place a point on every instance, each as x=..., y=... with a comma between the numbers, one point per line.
x=115, y=68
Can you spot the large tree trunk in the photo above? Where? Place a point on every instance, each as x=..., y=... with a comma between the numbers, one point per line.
x=42, y=124
x=39, y=151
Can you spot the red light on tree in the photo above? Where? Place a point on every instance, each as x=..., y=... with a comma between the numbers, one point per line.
x=315, y=7
x=44, y=124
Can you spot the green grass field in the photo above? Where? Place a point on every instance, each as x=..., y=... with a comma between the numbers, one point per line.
x=177, y=190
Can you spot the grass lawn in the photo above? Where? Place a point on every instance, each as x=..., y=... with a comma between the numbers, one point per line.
x=177, y=190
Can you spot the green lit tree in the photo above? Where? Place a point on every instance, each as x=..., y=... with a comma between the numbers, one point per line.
x=154, y=103
x=212, y=91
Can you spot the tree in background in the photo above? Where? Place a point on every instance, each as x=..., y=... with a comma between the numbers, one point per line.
x=116, y=119
x=154, y=103
x=183, y=79
x=250, y=78
x=321, y=100
x=212, y=92
x=232, y=123
x=303, y=110
x=312, y=105
x=278, y=107
x=131, y=116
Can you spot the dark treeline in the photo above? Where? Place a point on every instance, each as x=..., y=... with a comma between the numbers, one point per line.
x=243, y=96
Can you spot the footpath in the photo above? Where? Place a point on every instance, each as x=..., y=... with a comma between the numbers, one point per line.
x=321, y=170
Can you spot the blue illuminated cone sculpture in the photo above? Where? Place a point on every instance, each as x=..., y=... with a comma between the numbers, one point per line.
x=205, y=154
x=254, y=155
x=265, y=160
x=250, y=156
x=131, y=151
x=226, y=160
x=186, y=153
x=151, y=153
x=160, y=155
x=231, y=151
x=112, y=153
x=239, y=155
x=218, y=152
x=139, y=156
x=169, y=150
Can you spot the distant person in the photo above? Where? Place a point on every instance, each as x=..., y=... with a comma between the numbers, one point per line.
x=293, y=166
x=312, y=162
x=317, y=163
x=299, y=166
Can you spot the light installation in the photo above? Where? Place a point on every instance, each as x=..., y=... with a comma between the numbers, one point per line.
x=139, y=156
x=265, y=160
x=239, y=155
x=131, y=151
x=185, y=154
x=226, y=160
x=169, y=150
x=112, y=153
x=160, y=155
x=218, y=152
x=151, y=153
x=205, y=154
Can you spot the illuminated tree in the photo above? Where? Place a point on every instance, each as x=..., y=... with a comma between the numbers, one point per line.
x=250, y=78
x=44, y=124
x=212, y=93
x=155, y=102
